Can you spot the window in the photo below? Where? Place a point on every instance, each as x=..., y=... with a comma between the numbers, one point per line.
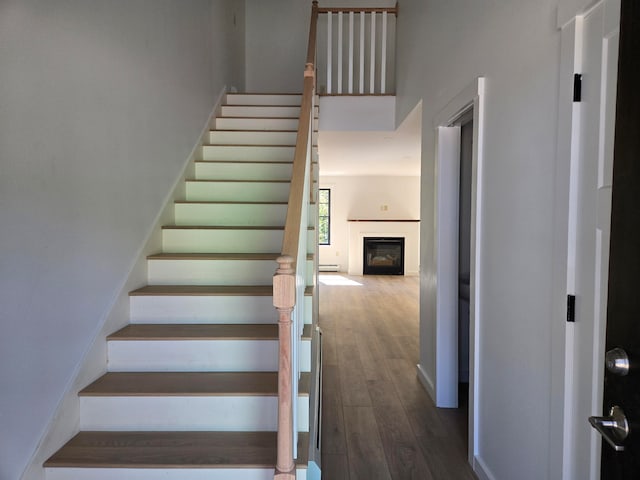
x=324, y=215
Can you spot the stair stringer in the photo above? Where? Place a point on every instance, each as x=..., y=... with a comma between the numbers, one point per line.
x=65, y=421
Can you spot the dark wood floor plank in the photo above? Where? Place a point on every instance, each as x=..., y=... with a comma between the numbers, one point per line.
x=366, y=453
x=352, y=381
x=329, y=352
x=371, y=332
x=335, y=467
x=444, y=459
x=333, y=435
x=420, y=409
x=403, y=454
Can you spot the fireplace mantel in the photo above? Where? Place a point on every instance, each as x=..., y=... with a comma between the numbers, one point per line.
x=384, y=220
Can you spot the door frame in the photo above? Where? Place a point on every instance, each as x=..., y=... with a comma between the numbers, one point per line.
x=446, y=253
x=565, y=387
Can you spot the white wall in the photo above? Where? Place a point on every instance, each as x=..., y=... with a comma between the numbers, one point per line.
x=442, y=47
x=277, y=38
x=100, y=106
x=361, y=198
x=277, y=34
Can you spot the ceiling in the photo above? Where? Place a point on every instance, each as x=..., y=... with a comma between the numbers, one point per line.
x=372, y=153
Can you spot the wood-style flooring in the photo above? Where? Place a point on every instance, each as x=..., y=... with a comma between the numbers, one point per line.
x=378, y=421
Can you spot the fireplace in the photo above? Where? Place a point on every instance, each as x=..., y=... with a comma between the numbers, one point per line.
x=383, y=256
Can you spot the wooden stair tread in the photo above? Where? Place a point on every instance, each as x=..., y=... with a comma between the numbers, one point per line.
x=199, y=331
x=218, y=256
x=195, y=290
x=248, y=162
x=204, y=202
x=214, y=256
x=183, y=384
x=222, y=227
x=245, y=131
x=196, y=332
x=173, y=450
x=193, y=180
x=259, y=145
x=261, y=118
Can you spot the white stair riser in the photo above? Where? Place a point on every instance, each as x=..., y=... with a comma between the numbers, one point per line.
x=186, y=309
x=311, y=243
x=165, y=474
x=199, y=355
x=250, y=153
x=221, y=241
x=238, y=214
x=223, y=137
x=263, y=99
x=211, y=272
x=243, y=171
x=220, y=413
x=215, y=272
x=212, y=191
x=252, y=111
x=258, y=124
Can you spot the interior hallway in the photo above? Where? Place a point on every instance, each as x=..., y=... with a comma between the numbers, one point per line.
x=378, y=421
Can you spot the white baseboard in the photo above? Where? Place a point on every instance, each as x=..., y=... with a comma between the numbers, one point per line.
x=328, y=268
x=427, y=382
x=481, y=469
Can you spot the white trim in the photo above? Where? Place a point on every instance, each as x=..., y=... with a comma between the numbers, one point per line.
x=426, y=380
x=446, y=247
x=446, y=236
x=480, y=468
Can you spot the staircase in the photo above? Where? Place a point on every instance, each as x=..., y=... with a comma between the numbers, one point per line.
x=191, y=387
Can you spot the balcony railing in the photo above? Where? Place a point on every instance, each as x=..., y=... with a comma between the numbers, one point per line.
x=356, y=51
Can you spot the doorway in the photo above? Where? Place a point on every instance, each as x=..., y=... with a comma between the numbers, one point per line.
x=458, y=214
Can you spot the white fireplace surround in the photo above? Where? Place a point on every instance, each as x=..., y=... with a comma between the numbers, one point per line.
x=409, y=230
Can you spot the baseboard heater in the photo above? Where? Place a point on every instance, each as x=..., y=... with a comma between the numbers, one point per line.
x=328, y=268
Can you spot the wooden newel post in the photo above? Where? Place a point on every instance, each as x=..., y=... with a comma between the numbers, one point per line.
x=284, y=297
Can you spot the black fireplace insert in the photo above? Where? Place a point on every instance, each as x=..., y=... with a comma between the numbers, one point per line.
x=383, y=256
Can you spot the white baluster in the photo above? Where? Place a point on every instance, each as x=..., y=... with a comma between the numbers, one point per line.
x=339, y=80
x=350, y=53
x=383, y=60
x=329, y=45
x=372, y=66
x=362, y=52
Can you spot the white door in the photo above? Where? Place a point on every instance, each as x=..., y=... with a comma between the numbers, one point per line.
x=596, y=44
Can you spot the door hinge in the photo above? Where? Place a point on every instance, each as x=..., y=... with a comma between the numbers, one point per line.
x=577, y=87
x=571, y=308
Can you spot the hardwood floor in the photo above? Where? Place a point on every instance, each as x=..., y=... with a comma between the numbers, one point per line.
x=378, y=421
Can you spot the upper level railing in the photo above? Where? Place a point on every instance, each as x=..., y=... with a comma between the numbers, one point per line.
x=290, y=280
x=356, y=51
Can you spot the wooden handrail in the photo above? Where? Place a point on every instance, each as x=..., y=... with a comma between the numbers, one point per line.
x=392, y=10
x=284, y=281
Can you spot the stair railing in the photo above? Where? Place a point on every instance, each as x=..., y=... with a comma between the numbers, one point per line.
x=290, y=279
x=360, y=42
